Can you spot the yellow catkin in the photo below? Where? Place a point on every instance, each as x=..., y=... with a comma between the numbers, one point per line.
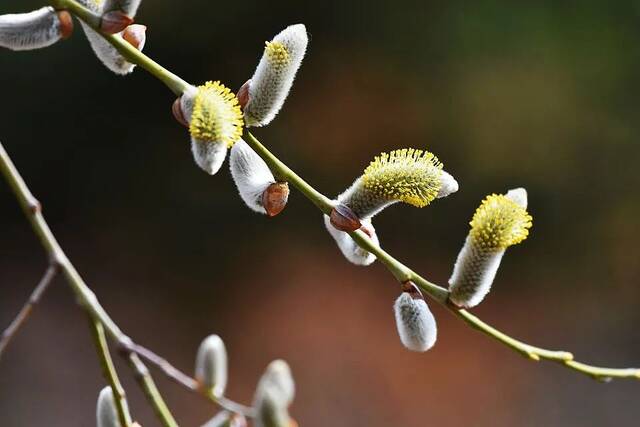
x=500, y=222
x=216, y=115
x=277, y=53
x=408, y=175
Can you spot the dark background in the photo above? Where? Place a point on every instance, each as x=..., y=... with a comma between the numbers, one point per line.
x=540, y=94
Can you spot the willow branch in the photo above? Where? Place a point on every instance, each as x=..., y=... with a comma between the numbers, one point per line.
x=85, y=296
x=88, y=300
x=26, y=310
x=109, y=371
x=151, y=391
x=400, y=271
x=185, y=380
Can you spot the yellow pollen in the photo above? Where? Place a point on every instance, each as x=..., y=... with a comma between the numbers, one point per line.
x=216, y=115
x=499, y=222
x=408, y=175
x=277, y=54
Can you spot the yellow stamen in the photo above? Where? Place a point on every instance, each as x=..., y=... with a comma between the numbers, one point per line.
x=216, y=115
x=499, y=222
x=277, y=53
x=408, y=175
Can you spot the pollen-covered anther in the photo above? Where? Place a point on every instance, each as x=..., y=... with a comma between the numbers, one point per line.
x=277, y=54
x=344, y=219
x=274, y=76
x=275, y=197
x=135, y=35
x=500, y=221
x=114, y=22
x=407, y=175
x=216, y=115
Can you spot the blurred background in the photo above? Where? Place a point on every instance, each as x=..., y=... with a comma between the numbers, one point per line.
x=542, y=95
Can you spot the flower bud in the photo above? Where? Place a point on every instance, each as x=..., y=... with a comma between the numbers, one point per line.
x=255, y=182
x=272, y=80
x=113, y=22
x=215, y=123
x=349, y=248
x=408, y=175
x=416, y=325
x=274, y=394
x=34, y=30
x=211, y=365
x=135, y=35
x=106, y=412
x=226, y=419
x=499, y=222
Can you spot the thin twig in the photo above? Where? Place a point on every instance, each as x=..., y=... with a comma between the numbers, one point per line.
x=26, y=310
x=185, y=380
x=109, y=371
x=150, y=389
x=84, y=294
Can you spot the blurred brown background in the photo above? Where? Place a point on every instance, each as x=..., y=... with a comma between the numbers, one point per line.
x=541, y=94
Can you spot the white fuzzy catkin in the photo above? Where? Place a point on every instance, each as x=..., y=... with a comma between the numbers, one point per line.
x=106, y=53
x=274, y=394
x=251, y=175
x=477, y=265
x=416, y=325
x=33, y=30
x=129, y=7
x=366, y=205
x=106, y=412
x=273, y=78
x=211, y=365
x=349, y=248
x=208, y=155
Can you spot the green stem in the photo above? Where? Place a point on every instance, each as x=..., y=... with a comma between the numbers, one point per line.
x=284, y=173
x=151, y=391
x=109, y=371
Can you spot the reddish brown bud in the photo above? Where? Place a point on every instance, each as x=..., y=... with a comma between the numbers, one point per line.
x=411, y=288
x=66, y=24
x=243, y=94
x=114, y=22
x=136, y=35
x=176, y=109
x=274, y=198
x=343, y=218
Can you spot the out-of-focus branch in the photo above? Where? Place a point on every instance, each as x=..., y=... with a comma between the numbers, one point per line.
x=109, y=371
x=90, y=303
x=26, y=310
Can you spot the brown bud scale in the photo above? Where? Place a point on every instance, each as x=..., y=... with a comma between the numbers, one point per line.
x=344, y=219
x=176, y=109
x=135, y=35
x=66, y=24
x=114, y=22
x=411, y=288
x=243, y=94
x=275, y=197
